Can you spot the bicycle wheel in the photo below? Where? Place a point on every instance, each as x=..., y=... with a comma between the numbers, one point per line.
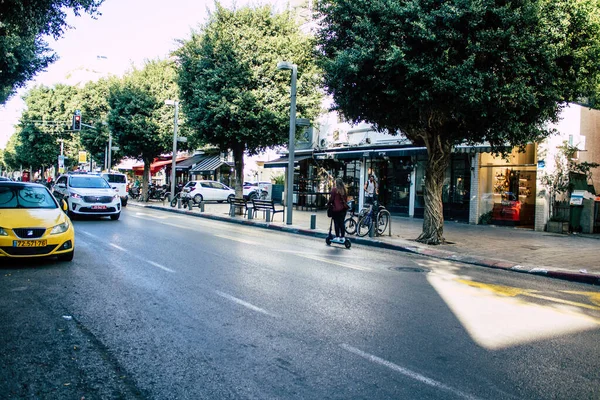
x=364, y=225
x=383, y=219
x=350, y=226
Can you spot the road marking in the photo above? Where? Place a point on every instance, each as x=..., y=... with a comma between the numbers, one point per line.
x=338, y=263
x=406, y=372
x=131, y=254
x=243, y=303
x=513, y=291
x=117, y=247
x=593, y=296
x=237, y=239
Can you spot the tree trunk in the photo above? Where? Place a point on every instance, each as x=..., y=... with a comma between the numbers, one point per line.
x=238, y=160
x=145, y=179
x=438, y=160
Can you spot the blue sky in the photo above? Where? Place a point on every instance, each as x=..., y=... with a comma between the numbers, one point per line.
x=127, y=33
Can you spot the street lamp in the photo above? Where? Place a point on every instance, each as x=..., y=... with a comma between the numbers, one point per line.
x=292, y=139
x=175, y=139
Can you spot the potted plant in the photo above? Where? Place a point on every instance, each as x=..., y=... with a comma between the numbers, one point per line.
x=557, y=225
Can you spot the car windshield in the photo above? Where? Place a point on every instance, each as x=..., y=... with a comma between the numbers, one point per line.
x=89, y=182
x=26, y=197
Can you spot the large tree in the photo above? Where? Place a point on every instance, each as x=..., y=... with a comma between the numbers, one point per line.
x=232, y=94
x=43, y=124
x=93, y=103
x=23, y=26
x=139, y=120
x=450, y=72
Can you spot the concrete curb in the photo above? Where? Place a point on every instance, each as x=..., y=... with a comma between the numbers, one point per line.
x=406, y=246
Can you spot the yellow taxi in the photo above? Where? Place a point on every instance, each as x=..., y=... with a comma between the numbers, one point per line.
x=33, y=223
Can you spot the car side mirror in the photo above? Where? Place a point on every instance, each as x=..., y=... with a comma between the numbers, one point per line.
x=64, y=206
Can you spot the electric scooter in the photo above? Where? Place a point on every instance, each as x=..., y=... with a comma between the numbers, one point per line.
x=330, y=237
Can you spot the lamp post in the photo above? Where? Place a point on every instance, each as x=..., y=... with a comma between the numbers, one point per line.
x=176, y=104
x=289, y=198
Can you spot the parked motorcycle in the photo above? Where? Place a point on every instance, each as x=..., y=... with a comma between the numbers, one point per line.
x=135, y=192
x=186, y=200
x=156, y=192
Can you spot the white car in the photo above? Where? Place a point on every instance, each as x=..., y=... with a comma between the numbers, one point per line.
x=210, y=191
x=88, y=195
x=252, y=190
x=118, y=182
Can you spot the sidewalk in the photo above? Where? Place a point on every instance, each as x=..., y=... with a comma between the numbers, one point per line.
x=572, y=257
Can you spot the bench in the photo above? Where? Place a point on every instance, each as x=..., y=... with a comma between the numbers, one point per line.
x=238, y=203
x=266, y=205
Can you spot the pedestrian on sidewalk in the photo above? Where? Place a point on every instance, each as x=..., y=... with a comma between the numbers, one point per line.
x=371, y=190
x=338, y=200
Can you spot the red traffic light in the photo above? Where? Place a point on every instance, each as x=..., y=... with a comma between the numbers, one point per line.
x=76, y=122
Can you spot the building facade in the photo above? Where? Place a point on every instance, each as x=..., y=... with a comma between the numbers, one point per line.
x=478, y=185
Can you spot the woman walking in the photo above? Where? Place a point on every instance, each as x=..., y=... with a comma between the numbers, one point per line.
x=338, y=201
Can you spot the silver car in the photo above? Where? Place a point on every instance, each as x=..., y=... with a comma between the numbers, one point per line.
x=88, y=195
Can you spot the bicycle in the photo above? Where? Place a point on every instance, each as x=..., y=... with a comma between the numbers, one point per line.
x=381, y=218
x=351, y=222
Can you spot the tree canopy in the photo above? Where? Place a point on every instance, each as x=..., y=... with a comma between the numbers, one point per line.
x=23, y=25
x=451, y=72
x=45, y=121
x=232, y=94
x=138, y=118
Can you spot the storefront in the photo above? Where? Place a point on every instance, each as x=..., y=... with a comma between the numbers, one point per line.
x=507, y=187
x=455, y=191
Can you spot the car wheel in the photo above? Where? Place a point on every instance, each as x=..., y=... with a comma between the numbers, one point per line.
x=230, y=198
x=66, y=256
x=198, y=199
x=115, y=217
x=124, y=203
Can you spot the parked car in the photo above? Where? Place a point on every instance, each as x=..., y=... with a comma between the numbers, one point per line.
x=33, y=223
x=4, y=179
x=119, y=183
x=87, y=194
x=210, y=191
x=252, y=189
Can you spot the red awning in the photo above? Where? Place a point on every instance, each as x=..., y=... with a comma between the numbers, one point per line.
x=155, y=166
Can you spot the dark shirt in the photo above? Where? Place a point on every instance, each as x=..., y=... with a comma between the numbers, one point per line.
x=337, y=200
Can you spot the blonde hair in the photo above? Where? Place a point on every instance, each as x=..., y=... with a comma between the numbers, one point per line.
x=341, y=188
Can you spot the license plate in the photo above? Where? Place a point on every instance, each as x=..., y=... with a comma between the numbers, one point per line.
x=98, y=207
x=29, y=243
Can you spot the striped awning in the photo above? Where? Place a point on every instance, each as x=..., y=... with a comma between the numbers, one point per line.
x=209, y=164
x=189, y=163
x=283, y=161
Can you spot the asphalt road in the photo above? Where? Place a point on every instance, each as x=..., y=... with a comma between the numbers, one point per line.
x=164, y=306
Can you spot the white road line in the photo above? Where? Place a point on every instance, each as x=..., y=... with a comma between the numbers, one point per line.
x=406, y=372
x=131, y=254
x=243, y=303
x=237, y=239
x=116, y=247
x=338, y=263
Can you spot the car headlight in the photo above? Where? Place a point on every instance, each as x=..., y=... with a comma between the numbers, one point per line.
x=3, y=232
x=60, y=228
x=75, y=196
